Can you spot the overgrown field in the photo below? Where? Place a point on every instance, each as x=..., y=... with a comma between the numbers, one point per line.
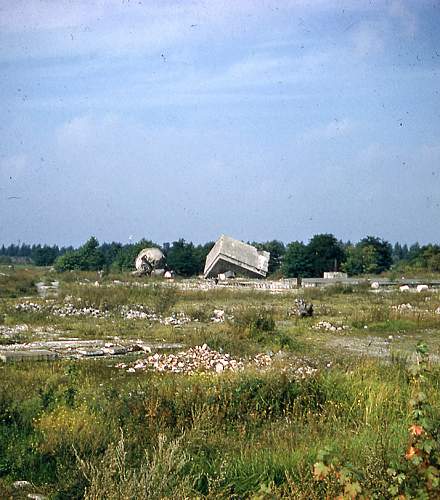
x=362, y=423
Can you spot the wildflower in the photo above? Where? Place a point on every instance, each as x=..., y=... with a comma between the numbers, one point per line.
x=416, y=430
x=410, y=453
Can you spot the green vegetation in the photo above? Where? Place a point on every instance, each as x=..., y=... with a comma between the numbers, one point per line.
x=362, y=425
x=371, y=255
x=17, y=283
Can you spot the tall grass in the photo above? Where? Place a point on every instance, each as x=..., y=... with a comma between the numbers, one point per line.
x=228, y=436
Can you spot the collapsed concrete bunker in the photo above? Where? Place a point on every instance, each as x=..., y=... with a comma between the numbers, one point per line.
x=230, y=255
x=148, y=260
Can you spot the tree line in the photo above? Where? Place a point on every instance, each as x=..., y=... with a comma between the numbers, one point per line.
x=324, y=252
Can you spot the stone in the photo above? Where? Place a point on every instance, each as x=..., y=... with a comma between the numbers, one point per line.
x=422, y=288
x=404, y=288
x=89, y=353
x=21, y=484
x=115, y=350
x=218, y=316
x=303, y=309
x=375, y=285
x=332, y=275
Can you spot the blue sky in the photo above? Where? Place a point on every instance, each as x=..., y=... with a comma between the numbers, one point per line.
x=258, y=119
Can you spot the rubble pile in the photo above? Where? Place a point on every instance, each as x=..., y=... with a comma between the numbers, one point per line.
x=195, y=359
x=29, y=307
x=408, y=308
x=71, y=310
x=134, y=312
x=403, y=307
x=140, y=312
x=9, y=332
x=330, y=327
x=218, y=316
x=262, y=360
x=62, y=311
x=305, y=371
x=204, y=359
x=303, y=309
x=75, y=348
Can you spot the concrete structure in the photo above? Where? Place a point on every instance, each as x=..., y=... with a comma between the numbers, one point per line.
x=234, y=255
x=331, y=275
x=148, y=260
x=31, y=355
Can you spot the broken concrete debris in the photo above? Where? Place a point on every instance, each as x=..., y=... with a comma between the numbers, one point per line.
x=403, y=307
x=230, y=255
x=148, y=260
x=194, y=359
x=203, y=359
x=129, y=313
x=140, y=312
x=218, y=316
x=21, y=484
x=27, y=355
x=75, y=348
x=11, y=332
x=303, y=309
x=330, y=327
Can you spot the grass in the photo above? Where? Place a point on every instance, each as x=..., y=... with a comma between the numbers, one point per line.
x=85, y=429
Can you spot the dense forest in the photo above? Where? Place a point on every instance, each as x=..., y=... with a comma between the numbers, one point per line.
x=324, y=252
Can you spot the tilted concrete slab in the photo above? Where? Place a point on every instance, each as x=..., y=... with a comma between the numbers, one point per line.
x=234, y=255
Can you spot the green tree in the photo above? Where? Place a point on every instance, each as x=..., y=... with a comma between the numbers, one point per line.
x=326, y=253
x=44, y=256
x=361, y=260
x=430, y=257
x=276, y=249
x=383, y=252
x=296, y=261
x=126, y=255
x=87, y=258
x=182, y=258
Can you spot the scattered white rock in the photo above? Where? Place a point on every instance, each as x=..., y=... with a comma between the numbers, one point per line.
x=327, y=326
x=218, y=316
x=403, y=307
x=21, y=484
x=375, y=285
x=9, y=332
x=204, y=359
x=404, y=288
x=28, y=307
x=422, y=288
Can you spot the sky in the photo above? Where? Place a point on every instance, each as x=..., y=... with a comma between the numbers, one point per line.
x=262, y=120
